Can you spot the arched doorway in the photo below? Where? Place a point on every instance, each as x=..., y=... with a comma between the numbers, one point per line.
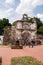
x=25, y=37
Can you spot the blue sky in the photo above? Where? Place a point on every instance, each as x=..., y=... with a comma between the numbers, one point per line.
x=14, y=9
x=38, y=9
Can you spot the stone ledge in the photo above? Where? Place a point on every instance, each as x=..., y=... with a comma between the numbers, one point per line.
x=16, y=47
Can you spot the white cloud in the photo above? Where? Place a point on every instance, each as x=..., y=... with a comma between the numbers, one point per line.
x=27, y=6
x=9, y=11
x=9, y=1
x=6, y=13
x=12, y=20
x=40, y=16
x=1, y=16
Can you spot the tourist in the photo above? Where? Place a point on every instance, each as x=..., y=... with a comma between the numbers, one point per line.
x=32, y=43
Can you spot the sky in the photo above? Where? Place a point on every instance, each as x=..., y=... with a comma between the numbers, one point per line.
x=14, y=9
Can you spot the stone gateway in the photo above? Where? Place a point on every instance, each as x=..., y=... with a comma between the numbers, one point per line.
x=23, y=30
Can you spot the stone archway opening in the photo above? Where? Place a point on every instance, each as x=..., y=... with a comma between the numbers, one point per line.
x=25, y=37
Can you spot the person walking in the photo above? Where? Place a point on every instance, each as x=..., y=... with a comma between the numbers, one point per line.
x=32, y=43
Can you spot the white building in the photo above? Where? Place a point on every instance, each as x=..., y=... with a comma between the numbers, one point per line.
x=1, y=39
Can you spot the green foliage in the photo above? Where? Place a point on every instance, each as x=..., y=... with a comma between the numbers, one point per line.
x=30, y=20
x=14, y=23
x=39, y=22
x=25, y=61
x=39, y=25
x=40, y=30
x=3, y=22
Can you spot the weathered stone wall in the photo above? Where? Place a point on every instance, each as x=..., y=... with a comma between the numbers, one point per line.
x=7, y=34
x=13, y=35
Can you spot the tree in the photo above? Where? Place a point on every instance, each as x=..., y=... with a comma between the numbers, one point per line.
x=39, y=22
x=6, y=22
x=3, y=22
x=14, y=23
x=30, y=20
x=40, y=30
x=39, y=25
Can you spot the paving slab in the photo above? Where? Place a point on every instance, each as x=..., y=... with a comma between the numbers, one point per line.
x=7, y=53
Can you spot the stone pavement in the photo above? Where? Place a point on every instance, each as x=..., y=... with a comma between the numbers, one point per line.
x=7, y=53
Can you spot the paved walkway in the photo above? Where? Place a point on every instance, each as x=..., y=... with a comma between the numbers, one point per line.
x=7, y=53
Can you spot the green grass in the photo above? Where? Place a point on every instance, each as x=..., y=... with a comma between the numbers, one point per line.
x=25, y=61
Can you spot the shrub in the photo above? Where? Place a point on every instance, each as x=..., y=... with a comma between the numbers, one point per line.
x=25, y=61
